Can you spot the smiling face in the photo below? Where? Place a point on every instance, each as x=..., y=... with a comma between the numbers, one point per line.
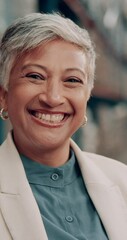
x=47, y=96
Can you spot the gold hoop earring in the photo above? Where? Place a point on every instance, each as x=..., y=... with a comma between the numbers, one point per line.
x=85, y=121
x=3, y=114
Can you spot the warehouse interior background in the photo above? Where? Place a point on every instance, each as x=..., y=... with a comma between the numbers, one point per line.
x=106, y=21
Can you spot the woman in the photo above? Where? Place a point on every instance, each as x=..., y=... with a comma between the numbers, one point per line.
x=49, y=188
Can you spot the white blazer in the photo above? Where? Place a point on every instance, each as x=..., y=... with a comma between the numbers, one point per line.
x=20, y=219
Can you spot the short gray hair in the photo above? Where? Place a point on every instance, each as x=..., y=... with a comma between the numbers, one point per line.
x=29, y=32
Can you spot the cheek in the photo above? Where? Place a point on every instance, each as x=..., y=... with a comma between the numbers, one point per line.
x=19, y=95
x=16, y=101
x=81, y=101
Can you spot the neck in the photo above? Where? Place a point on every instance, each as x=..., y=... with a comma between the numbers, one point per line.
x=53, y=157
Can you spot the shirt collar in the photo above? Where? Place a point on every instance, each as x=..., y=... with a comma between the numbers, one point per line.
x=43, y=175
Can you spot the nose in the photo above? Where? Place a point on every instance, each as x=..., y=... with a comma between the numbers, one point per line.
x=52, y=94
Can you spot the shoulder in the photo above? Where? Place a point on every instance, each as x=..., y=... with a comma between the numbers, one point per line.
x=100, y=160
x=104, y=161
x=8, y=149
x=113, y=169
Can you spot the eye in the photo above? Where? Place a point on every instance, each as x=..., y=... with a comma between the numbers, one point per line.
x=74, y=80
x=35, y=76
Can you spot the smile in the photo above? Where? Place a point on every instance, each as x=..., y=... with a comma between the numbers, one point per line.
x=50, y=118
x=53, y=118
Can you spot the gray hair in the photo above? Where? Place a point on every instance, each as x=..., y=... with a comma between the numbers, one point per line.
x=29, y=32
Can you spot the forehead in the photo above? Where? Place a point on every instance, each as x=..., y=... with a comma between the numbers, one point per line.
x=55, y=53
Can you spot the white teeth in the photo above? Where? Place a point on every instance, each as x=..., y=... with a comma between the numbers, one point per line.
x=39, y=115
x=47, y=117
x=53, y=118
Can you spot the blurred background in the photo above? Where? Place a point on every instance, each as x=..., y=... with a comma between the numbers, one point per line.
x=106, y=21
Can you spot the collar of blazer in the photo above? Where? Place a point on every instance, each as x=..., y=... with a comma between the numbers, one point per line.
x=18, y=204
x=104, y=192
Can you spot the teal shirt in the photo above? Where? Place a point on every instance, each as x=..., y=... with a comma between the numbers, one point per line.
x=65, y=206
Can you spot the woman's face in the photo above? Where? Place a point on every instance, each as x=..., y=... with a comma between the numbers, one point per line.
x=47, y=95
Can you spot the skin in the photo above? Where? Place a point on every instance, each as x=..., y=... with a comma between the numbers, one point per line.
x=51, y=79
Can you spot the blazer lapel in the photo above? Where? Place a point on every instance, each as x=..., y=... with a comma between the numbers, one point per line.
x=106, y=197
x=18, y=206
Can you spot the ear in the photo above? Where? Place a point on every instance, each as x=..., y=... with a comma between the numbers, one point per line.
x=3, y=98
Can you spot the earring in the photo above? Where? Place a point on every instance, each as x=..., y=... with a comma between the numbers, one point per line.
x=3, y=114
x=85, y=121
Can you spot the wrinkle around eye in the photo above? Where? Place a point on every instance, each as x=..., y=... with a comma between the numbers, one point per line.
x=74, y=80
x=35, y=76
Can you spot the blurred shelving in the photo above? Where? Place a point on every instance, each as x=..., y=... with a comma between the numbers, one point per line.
x=111, y=70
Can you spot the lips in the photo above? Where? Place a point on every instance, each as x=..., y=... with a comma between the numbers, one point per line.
x=52, y=118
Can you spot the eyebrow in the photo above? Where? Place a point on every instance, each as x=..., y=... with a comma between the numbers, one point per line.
x=33, y=65
x=76, y=69
x=45, y=68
